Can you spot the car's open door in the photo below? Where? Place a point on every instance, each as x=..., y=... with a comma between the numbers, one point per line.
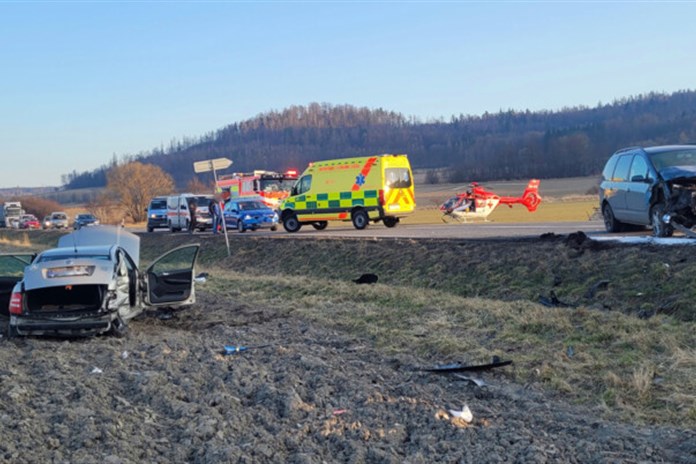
x=169, y=279
x=11, y=271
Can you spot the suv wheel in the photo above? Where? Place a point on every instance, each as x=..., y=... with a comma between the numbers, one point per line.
x=321, y=225
x=660, y=229
x=610, y=222
x=240, y=227
x=390, y=221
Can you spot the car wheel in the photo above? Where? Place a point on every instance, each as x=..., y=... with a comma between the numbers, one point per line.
x=660, y=229
x=150, y=229
x=360, y=219
x=240, y=227
x=390, y=221
x=610, y=222
x=291, y=224
x=321, y=225
x=11, y=331
x=274, y=228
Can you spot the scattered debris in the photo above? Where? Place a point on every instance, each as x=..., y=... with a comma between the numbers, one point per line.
x=552, y=301
x=458, y=367
x=233, y=349
x=164, y=315
x=338, y=412
x=366, y=279
x=96, y=370
x=124, y=355
x=465, y=414
x=476, y=381
x=570, y=351
x=598, y=286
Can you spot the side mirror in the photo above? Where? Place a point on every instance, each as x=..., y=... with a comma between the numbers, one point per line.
x=638, y=178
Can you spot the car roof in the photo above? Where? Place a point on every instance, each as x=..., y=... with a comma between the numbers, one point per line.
x=666, y=148
x=655, y=149
x=104, y=236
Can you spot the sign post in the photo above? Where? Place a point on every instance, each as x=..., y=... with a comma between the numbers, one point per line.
x=214, y=165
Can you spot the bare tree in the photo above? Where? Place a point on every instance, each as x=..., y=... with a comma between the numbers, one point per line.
x=134, y=184
x=195, y=185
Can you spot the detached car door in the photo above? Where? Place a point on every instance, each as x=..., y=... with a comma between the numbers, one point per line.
x=169, y=279
x=11, y=271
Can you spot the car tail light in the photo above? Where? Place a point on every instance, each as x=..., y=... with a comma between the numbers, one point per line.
x=381, y=197
x=16, y=303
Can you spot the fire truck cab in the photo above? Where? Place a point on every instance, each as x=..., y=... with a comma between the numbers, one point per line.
x=271, y=187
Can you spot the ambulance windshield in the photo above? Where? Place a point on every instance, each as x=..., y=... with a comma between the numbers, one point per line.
x=397, y=177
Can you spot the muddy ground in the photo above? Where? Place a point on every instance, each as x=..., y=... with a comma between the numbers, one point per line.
x=165, y=394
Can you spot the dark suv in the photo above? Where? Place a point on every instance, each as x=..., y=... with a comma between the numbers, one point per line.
x=654, y=186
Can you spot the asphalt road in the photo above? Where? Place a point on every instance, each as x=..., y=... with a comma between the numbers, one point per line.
x=449, y=231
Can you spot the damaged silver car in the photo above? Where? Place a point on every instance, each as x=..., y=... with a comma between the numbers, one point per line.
x=654, y=186
x=91, y=284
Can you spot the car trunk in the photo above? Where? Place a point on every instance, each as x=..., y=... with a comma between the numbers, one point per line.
x=70, y=298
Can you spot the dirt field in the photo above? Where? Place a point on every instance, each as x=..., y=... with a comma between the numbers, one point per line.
x=340, y=379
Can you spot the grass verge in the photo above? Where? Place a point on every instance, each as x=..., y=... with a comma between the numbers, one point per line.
x=642, y=370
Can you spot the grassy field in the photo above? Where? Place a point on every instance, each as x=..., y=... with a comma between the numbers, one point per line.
x=574, y=210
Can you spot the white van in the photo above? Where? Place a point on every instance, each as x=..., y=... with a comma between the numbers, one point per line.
x=179, y=214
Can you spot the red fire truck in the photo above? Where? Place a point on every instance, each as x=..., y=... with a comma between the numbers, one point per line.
x=271, y=186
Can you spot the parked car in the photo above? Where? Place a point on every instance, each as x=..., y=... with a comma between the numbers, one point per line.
x=92, y=283
x=249, y=213
x=59, y=220
x=157, y=214
x=46, y=223
x=85, y=219
x=28, y=221
x=654, y=186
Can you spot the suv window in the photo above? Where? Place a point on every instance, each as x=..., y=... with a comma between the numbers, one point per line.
x=639, y=169
x=622, y=166
x=609, y=168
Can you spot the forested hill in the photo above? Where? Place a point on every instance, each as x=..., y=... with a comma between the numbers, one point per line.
x=508, y=144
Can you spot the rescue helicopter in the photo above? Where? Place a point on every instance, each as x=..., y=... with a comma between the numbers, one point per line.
x=479, y=203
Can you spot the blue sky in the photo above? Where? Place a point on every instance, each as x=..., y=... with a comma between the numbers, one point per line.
x=82, y=81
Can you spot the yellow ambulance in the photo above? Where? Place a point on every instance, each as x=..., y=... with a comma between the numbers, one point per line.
x=375, y=188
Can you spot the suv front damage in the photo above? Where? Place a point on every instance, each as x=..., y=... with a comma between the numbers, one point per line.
x=678, y=211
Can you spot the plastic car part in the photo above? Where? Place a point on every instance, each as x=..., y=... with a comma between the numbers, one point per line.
x=457, y=367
